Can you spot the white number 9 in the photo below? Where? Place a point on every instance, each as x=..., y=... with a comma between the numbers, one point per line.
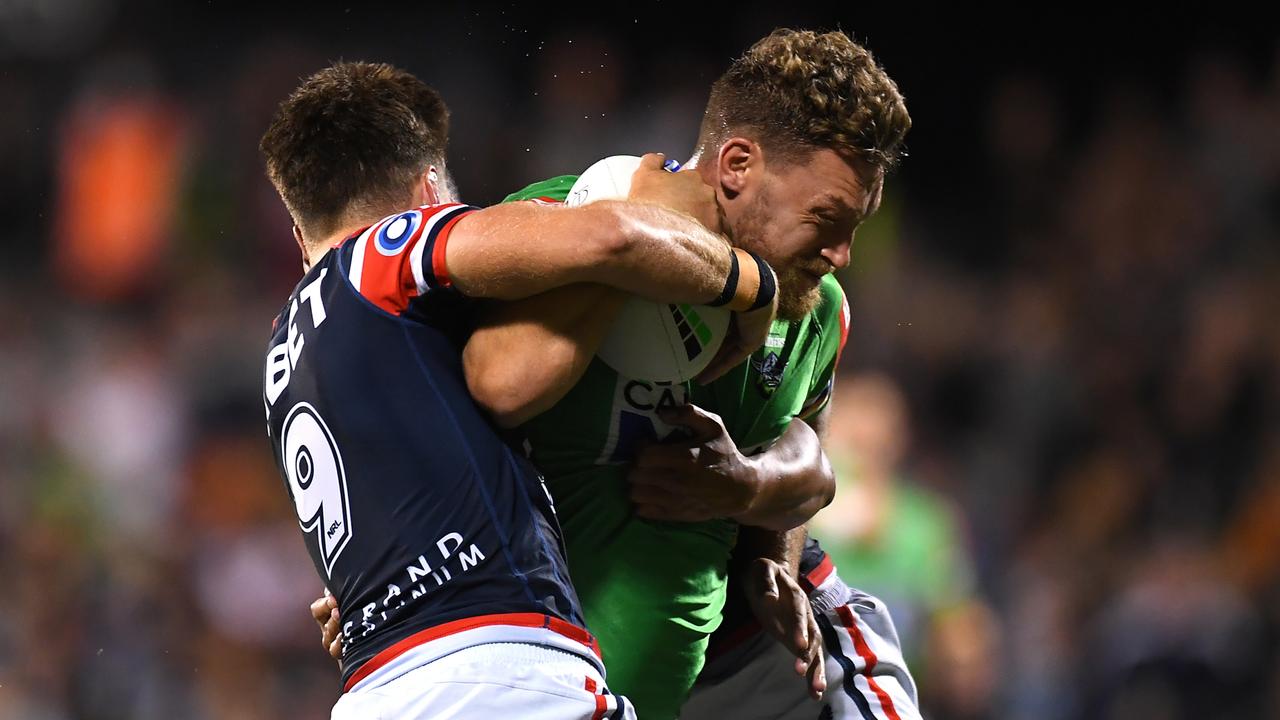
x=317, y=480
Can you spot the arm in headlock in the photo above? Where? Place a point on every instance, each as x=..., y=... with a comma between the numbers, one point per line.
x=652, y=248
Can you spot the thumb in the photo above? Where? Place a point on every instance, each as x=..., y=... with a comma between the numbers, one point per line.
x=651, y=161
x=703, y=425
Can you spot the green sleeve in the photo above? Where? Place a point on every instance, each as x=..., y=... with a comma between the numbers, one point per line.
x=832, y=318
x=554, y=189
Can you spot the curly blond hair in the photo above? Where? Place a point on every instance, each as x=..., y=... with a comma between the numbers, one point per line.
x=797, y=90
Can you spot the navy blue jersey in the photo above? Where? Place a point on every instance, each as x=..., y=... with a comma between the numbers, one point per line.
x=416, y=514
x=815, y=564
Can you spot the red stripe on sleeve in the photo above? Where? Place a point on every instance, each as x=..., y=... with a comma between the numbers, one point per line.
x=818, y=575
x=864, y=651
x=408, y=284
x=602, y=707
x=438, y=266
x=381, y=277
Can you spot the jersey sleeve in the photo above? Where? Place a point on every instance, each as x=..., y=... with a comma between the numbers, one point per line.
x=401, y=257
x=832, y=315
x=552, y=190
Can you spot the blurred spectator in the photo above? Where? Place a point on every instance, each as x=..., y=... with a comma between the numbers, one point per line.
x=1177, y=641
x=903, y=543
x=120, y=160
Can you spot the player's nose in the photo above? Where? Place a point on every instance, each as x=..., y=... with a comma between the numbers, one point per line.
x=838, y=254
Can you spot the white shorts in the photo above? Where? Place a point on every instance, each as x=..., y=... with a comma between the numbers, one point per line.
x=867, y=679
x=492, y=680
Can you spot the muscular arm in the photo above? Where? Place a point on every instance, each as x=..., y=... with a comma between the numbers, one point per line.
x=526, y=355
x=794, y=479
x=767, y=566
x=785, y=546
x=706, y=476
x=650, y=245
x=781, y=547
x=517, y=250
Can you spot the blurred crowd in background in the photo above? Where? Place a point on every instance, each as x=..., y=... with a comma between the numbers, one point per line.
x=1058, y=420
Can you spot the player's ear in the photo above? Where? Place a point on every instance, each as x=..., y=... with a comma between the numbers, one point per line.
x=430, y=187
x=737, y=160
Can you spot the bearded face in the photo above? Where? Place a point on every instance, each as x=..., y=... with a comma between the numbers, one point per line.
x=798, y=213
x=798, y=277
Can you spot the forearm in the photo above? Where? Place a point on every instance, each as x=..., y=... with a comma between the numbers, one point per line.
x=768, y=571
x=518, y=250
x=783, y=547
x=794, y=480
x=526, y=355
x=667, y=256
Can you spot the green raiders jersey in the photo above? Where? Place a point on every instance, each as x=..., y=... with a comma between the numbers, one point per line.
x=653, y=592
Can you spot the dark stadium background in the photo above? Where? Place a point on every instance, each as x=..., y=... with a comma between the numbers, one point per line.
x=1073, y=283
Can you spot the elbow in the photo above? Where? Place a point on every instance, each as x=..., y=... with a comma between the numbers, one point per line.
x=508, y=413
x=820, y=492
x=499, y=393
x=827, y=477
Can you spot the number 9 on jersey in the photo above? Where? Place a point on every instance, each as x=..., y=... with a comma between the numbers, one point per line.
x=317, y=480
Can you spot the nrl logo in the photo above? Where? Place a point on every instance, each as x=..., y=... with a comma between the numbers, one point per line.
x=770, y=369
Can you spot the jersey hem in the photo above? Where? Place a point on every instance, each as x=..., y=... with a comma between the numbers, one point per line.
x=435, y=642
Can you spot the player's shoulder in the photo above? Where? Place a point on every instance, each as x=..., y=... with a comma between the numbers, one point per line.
x=552, y=190
x=401, y=257
x=397, y=231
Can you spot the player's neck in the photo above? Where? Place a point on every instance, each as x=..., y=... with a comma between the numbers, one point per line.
x=424, y=194
x=705, y=171
x=317, y=250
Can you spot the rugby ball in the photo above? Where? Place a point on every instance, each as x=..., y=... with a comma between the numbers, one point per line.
x=657, y=342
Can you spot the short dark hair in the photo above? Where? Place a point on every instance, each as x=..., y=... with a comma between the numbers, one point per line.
x=797, y=90
x=353, y=138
